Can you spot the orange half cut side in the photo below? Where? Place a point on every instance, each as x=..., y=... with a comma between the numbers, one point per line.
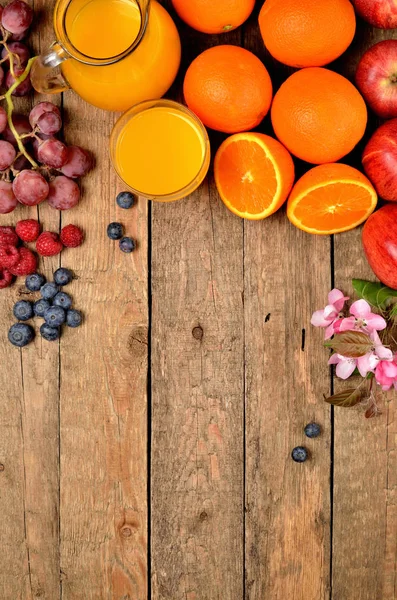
x=254, y=174
x=330, y=199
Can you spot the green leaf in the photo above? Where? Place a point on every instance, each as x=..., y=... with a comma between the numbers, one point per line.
x=351, y=344
x=347, y=398
x=376, y=294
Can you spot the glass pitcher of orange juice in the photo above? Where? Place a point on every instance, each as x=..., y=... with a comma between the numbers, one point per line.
x=113, y=53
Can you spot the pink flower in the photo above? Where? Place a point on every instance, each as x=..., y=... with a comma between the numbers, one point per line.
x=386, y=374
x=362, y=318
x=380, y=350
x=329, y=316
x=345, y=366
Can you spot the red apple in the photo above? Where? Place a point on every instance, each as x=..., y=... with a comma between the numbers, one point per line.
x=380, y=160
x=376, y=78
x=380, y=244
x=379, y=13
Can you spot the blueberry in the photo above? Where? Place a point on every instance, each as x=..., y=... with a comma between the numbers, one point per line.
x=34, y=282
x=299, y=454
x=49, y=290
x=63, y=276
x=49, y=333
x=127, y=244
x=312, y=430
x=40, y=307
x=23, y=310
x=74, y=318
x=55, y=316
x=115, y=231
x=126, y=200
x=62, y=299
x=20, y=334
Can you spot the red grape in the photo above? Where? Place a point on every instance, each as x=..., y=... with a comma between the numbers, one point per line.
x=21, y=54
x=30, y=187
x=22, y=126
x=8, y=201
x=40, y=109
x=17, y=17
x=1, y=76
x=49, y=123
x=21, y=163
x=18, y=37
x=3, y=119
x=52, y=153
x=78, y=163
x=23, y=88
x=64, y=193
x=7, y=155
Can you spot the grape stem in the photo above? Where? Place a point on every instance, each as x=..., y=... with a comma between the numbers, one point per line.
x=10, y=109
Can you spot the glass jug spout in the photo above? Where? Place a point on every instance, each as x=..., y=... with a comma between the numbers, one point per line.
x=46, y=75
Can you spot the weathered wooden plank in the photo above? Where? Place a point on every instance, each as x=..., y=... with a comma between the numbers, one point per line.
x=287, y=276
x=103, y=387
x=35, y=409
x=365, y=516
x=197, y=391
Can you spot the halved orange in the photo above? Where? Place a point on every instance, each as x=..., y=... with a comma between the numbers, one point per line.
x=254, y=174
x=330, y=199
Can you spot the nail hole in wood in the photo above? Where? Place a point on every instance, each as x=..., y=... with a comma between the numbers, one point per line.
x=303, y=339
x=267, y=319
x=203, y=516
x=198, y=333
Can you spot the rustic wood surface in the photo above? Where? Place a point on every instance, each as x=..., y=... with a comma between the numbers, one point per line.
x=147, y=455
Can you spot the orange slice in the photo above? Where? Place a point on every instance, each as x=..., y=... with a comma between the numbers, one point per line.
x=330, y=199
x=254, y=174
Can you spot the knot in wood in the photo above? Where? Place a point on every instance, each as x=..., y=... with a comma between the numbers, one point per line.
x=126, y=532
x=138, y=341
x=1, y=467
x=198, y=333
x=203, y=516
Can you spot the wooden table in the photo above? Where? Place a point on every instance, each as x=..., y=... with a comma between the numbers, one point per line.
x=148, y=454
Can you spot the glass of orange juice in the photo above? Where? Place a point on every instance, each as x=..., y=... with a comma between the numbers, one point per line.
x=160, y=149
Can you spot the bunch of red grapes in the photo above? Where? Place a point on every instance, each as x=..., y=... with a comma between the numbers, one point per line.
x=22, y=179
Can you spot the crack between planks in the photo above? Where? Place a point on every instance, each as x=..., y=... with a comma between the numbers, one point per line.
x=244, y=428
x=332, y=441
x=149, y=405
x=59, y=407
x=25, y=529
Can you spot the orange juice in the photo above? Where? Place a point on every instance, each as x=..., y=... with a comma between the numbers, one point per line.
x=102, y=29
x=160, y=149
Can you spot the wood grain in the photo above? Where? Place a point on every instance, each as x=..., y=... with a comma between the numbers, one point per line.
x=103, y=380
x=197, y=391
x=287, y=276
x=365, y=464
x=36, y=411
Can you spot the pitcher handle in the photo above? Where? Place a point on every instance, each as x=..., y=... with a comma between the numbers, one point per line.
x=46, y=75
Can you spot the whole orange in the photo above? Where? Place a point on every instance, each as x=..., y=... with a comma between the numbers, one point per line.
x=307, y=33
x=228, y=88
x=318, y=115
x=211, y=16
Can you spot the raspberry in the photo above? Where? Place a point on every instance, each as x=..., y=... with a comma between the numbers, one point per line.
x=9, y=256
x=72, y=236
x=27, y=263
x=28, y=230
x=6, y=279
x=8, y=237
x=48, y=244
